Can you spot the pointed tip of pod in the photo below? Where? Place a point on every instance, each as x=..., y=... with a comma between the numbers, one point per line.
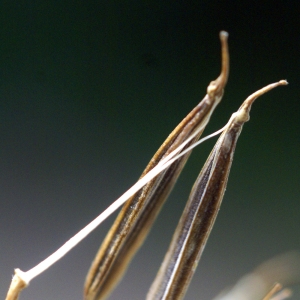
x=283, y=82
x=217, y=86
x=243, y=114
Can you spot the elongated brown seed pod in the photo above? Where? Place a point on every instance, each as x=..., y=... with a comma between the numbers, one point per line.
x=138, y=214
x=200, y=213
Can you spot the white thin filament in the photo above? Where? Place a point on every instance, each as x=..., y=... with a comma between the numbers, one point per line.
x=77, y=238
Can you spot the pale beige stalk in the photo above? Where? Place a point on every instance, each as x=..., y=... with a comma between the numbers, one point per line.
x=261, y=283
x=277, y=293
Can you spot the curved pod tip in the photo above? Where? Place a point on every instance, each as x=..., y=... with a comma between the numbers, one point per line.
x=216, y=87
x=243, y=114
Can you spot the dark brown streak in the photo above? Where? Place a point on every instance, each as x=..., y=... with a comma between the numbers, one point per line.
x=198, y=218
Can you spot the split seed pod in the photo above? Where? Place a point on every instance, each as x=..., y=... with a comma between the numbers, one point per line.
x=138, y=214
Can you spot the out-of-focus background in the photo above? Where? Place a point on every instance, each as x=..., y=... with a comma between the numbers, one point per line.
x=89, y=91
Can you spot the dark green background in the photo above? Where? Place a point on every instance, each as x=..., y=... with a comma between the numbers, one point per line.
x=89, y=91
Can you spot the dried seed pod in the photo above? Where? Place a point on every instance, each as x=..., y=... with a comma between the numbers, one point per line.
x=199, y=215
x=138, y=214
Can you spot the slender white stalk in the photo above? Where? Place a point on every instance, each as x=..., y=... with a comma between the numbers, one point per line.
x=71, y=243
x=170, y=161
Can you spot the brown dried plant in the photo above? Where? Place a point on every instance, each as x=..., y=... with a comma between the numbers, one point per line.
x=145, y=199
